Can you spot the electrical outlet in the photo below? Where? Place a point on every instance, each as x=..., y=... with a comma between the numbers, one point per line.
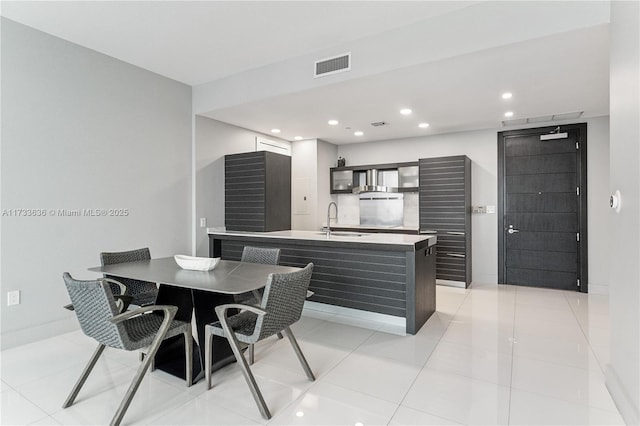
x=13, y=297
x=203, y=222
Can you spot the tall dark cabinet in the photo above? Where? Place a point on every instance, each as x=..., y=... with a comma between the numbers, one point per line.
x=445, y=210
x=257, y=191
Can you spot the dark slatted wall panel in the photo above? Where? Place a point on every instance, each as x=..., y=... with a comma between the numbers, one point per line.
x=369, y=280
x=244, y=193
x=445, y=209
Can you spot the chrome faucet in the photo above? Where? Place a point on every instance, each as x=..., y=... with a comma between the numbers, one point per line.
x=329, y=217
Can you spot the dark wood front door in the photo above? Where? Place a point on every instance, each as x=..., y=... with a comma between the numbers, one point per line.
x=542, y=207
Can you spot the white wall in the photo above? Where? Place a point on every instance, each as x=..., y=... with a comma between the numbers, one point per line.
x=304, y=184
x=310, y=192
x=214, y=140
x=481, y=148
x=327, y=158
x=623, y=372
x=598, y=214
x=82, y=130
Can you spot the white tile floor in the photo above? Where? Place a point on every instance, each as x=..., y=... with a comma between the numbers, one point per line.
x=490, y=355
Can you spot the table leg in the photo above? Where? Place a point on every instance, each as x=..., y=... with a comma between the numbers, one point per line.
x=170, y=355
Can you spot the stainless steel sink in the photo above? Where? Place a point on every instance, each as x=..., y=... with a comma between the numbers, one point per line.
x=343, y=234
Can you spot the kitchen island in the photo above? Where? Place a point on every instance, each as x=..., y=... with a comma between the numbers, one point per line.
x=392, y=274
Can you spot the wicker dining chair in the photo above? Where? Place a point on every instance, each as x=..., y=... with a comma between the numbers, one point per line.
x=144, y=293
x=281, y=306
x=269, y=256
x=101, y=318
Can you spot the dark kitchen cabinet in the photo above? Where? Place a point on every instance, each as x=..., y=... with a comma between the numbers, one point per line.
x=257, y=191
x=341, y=180
x=445, y=210
x=403, y=177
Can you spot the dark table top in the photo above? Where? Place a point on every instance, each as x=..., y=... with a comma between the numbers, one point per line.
x=228, y=277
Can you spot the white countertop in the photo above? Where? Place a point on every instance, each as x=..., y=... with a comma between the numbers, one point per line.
x=355, y=237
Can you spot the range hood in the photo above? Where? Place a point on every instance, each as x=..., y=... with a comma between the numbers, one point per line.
x=387, y=183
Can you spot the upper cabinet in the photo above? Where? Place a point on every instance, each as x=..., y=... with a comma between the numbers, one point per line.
x=408, y=178
x=341, y=180
x=401, y=177
x=257, y=191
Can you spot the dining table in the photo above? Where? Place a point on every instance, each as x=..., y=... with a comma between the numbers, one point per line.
x=196, y=294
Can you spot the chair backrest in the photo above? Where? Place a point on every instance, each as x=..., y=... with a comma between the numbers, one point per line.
x=94, y=306
x=268, y=256
x=134, y=286
x=283, y=299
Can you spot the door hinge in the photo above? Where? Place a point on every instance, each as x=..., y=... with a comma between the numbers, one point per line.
x=578, y=282
x=577, y=145
x=577, y=190
x=577, y=236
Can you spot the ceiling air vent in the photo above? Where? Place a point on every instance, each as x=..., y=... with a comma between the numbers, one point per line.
x=333, y=65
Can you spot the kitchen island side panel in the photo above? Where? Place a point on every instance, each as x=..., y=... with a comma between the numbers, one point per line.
x=373, y=278
x=422, y=265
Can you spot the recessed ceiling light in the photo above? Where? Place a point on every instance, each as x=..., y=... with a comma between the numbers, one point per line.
x=300, y=414
x=275, y=130
x=508, y=114
x=333, y=122
x=405, y=111
x=358, y=133
x=423, y=125
x=298, y=138
x=507, y=95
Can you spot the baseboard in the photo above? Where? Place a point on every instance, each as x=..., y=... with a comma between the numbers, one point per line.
x=449, y=283
x=598, y=289
x=354, y=313
x=11, y=339
x=626, y=405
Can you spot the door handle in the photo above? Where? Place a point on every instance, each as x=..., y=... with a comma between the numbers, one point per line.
x=511, y=230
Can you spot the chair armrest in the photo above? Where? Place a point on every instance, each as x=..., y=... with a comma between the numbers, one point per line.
x=169, y=312
x=123, y=288
x=221, y=310
x=123, y=301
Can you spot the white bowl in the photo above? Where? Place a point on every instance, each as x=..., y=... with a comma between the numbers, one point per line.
x=196, y=263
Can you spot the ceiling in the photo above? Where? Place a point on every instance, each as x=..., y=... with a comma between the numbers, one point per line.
x=456, y=94
x=199, y=42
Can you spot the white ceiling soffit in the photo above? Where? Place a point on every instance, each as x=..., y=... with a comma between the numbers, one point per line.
x=550, y=75
x=199, y=41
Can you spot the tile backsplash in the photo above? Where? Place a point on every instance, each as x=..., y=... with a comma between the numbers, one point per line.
x=349, y=209
x=411, y=210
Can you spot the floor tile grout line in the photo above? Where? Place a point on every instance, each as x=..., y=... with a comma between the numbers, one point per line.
x=467, y=292
x=585, y=336
x=349, y=352
x=513, y=348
